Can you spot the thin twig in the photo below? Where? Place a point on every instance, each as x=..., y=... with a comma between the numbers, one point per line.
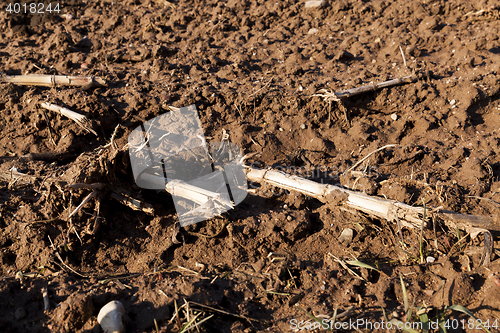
x=68, y=267
x=336, y=96
x=481, y=198
x=94, y=186
x=87, y=199
x=133, y=203
x=370, y=154
x=48, y=127
x=402, y=53
x=224, y=312
x=77, y=235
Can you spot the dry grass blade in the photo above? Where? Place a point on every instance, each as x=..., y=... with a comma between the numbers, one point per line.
x=68, y=267
x=116, y=278
x=315, y=318
x=188, y=326
x=343, y=264
x=79, y=119
x=362, y=265
x=224, y=312
x=54, y=80
x=370, y=154
x=405, y=294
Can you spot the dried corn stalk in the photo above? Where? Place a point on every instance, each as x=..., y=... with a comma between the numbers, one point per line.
x=85, y=82
x=79, y=119
x=390, y=210
x=210, y=203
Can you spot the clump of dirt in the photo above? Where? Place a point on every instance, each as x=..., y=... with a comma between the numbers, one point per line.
x=251, y=68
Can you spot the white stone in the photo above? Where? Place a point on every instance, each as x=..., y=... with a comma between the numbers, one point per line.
x=346, y=235
x=111, y=317
x=315, y=3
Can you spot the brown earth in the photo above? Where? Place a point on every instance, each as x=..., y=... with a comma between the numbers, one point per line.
x=252, y=68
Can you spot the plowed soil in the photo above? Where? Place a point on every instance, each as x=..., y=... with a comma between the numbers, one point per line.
x=252, y=68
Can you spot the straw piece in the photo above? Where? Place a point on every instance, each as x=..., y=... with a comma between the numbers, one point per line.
x=133, y=203
x=79, y=119
x=390, y=210
x=85, y=82
x=187, y=191
x=336, y=96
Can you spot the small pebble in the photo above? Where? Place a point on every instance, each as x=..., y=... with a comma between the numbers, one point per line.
x=289, y=218
x=281, y=130
x=452, y=102
x=394, y=116
x=315, y=3
x=302, y=126
x=20, y=313
x=346, y=235
x=84, y=66
x=312, y=31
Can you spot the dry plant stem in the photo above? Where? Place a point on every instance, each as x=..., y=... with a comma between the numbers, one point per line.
x=390, y=210
x=224, y=312
x=94, y=186
x=67, y=267
x=370, y=154
x=336, y=96
x=79, y=119
x=49, y=128
x=54, y=80
x=87, y=199
x=187, y=191
x=376, y=86
x=46, y=300
x=403, y=55
x=133, y=203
